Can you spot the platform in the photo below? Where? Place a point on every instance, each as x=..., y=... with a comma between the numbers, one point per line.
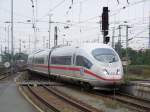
x=138, y=88
x=11, y=100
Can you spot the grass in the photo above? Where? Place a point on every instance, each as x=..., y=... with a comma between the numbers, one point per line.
x=137, y=72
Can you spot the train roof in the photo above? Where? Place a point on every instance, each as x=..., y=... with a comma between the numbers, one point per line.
x=39, y=52
x=88, y=47
x=68, y=50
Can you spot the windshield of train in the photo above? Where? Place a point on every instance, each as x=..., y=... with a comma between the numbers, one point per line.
x=105, y=55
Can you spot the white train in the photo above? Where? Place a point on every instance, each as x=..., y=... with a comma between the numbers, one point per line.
x=93, y=65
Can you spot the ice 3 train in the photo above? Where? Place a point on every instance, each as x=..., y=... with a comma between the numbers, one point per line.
x=94, y=65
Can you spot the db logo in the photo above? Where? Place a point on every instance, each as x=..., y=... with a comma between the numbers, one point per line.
x=82, y=71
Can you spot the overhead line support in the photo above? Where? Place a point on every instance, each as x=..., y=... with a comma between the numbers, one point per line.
x=12, y=39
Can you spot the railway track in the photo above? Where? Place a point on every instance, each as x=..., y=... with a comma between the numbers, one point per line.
x=42, y=100
x=132, y=102
x=80, y=105
x=141, y=103
x=4, y=75
x=135, y=103
x=58, y=101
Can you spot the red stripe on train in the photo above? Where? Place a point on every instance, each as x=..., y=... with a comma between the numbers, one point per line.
x=75, y=69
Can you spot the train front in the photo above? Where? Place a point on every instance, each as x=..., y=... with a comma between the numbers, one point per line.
x=108, y=67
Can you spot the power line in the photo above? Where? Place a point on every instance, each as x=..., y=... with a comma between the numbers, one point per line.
x=131, y=4
x=52, y=9
x=139, y=33
x=59, y=4
x=117, y=11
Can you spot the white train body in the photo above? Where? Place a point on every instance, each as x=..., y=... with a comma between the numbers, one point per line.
x=96, y=64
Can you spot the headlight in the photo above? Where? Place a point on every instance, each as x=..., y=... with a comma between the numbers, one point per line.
x=118, y=72
x=105, y=72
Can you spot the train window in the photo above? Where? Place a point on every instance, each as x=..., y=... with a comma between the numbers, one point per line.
x=34, y=60
x=39, y=60
x=82, y=61
x=30, y=60
x=61, y=60
x=46, y=59
x=74, y=55
x=105, y=55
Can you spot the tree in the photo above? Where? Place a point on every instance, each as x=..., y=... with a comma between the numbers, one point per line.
x=118, y=48
x=6, y=57
x=21, y=56
x=141, y=57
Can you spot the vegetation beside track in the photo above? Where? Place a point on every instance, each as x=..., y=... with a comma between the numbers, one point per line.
x=137, y=72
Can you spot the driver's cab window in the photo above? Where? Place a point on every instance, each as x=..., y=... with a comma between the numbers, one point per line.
x=82, y=61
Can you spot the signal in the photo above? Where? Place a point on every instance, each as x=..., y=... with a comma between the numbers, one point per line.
x=55, y=36
x=106, y=39
x=105, y=24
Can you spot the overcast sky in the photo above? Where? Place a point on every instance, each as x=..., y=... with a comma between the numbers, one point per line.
x=82, y=17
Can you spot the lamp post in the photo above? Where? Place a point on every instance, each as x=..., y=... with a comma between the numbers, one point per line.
x=8, y=31
x=12, y=39
x=127, y=40
x=34, y=24
x=49, y=42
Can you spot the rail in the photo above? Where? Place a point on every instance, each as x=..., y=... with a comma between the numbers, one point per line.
x=135, y=103
x=3, y=75
x=63, y=98
x=74, y=102
x=42, y=100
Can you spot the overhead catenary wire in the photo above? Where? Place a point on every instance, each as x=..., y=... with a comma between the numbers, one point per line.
x=52, y=9
x=87, y=20
x=111, y=12
x=139, y=33
x=117, y=11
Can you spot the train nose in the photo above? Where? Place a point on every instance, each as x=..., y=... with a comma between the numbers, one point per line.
x=118, y=72
x=105, y=72
x=111, y=71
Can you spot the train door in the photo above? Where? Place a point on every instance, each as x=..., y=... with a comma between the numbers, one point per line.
x=79, y=64
x=49, y=63
x=73, y=64
x=78, y=69
x=33, y=63
x=83, y=64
